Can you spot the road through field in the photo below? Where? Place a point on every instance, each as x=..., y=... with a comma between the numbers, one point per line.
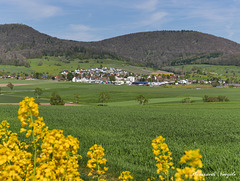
x=15, y=84
x=44, y=104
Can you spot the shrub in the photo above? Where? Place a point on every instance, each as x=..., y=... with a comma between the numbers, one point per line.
x=215, y=84
x=222, y=98
x=103, y=98
x=57, y=64
x=212, y=99
x=142, y=100
x=76, y=98
x=187, y=100
x=38, y=92
x=205, y=98
x=70, y=76
x=56, y=99
x=215, y=99
x=226, y=99
x=40, y=63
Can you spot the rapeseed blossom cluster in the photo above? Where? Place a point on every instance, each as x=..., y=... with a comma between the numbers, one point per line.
x=162, y=157
x=191, y=158
x=14, y=159
x=125, y=176
x=58, y=157
x=49, y=155
x=151, y=179
x=96, y=154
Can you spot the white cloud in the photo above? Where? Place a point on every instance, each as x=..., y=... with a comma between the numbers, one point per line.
x=80, y=27
x=218, y=11
x=80, y=36
x=81, y=32
x=211, y=14
x=229, y=30
x=215, y=17
x=148, y=5
x=154, y=19
x=32, y=9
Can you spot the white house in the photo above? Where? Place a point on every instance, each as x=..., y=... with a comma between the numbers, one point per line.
x=131, y=79
x=77, y=71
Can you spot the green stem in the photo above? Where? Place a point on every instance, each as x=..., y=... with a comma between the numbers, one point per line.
x=35, y=151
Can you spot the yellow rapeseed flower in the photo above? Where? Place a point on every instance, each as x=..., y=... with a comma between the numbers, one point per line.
x=54, y=157
x=191, y=158
x=162, y=157
x=151, y=179
x=96, y=154
x=125, y=176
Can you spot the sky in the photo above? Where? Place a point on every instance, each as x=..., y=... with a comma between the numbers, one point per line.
x=94, y=20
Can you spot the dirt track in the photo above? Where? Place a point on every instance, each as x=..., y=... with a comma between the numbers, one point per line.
x=43, y=104
x=15, y=84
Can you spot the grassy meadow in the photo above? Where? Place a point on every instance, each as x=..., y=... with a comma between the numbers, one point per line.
x=124, y=94
x=55, y=65
x=226, y=70
x=125, y=129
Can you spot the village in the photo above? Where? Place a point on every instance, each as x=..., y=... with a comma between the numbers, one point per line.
x=118, y=76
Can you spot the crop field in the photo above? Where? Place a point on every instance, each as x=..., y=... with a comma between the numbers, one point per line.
x=89, y=93
x=126, y=129
x=230, y=70
x=54, y=65
x=126, y=133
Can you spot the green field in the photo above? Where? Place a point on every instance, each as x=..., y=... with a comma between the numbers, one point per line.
x=89, y=93
x=230, y=70
x=55, y=65
x=126, y=129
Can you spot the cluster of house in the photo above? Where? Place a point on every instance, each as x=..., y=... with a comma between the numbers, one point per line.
x=115, y=76
x=120, y=77
x=97, y=71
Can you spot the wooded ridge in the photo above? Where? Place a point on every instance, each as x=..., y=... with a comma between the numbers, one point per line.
x=154, y=49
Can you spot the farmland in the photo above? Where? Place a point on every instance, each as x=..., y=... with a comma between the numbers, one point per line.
x=54, y=65
x=88, y=93
x=225, y=70
x=126, y=129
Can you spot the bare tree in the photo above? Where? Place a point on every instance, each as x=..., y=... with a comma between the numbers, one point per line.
x=10, y=85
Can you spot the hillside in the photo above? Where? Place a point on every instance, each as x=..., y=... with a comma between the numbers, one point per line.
x=20, y=42
x=173, y=48
x=154, y=49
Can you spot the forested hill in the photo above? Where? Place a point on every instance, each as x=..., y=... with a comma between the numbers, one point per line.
x=173, y=48
x=20, y=42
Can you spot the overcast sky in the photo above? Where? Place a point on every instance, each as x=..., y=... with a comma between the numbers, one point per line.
x=93, y=20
